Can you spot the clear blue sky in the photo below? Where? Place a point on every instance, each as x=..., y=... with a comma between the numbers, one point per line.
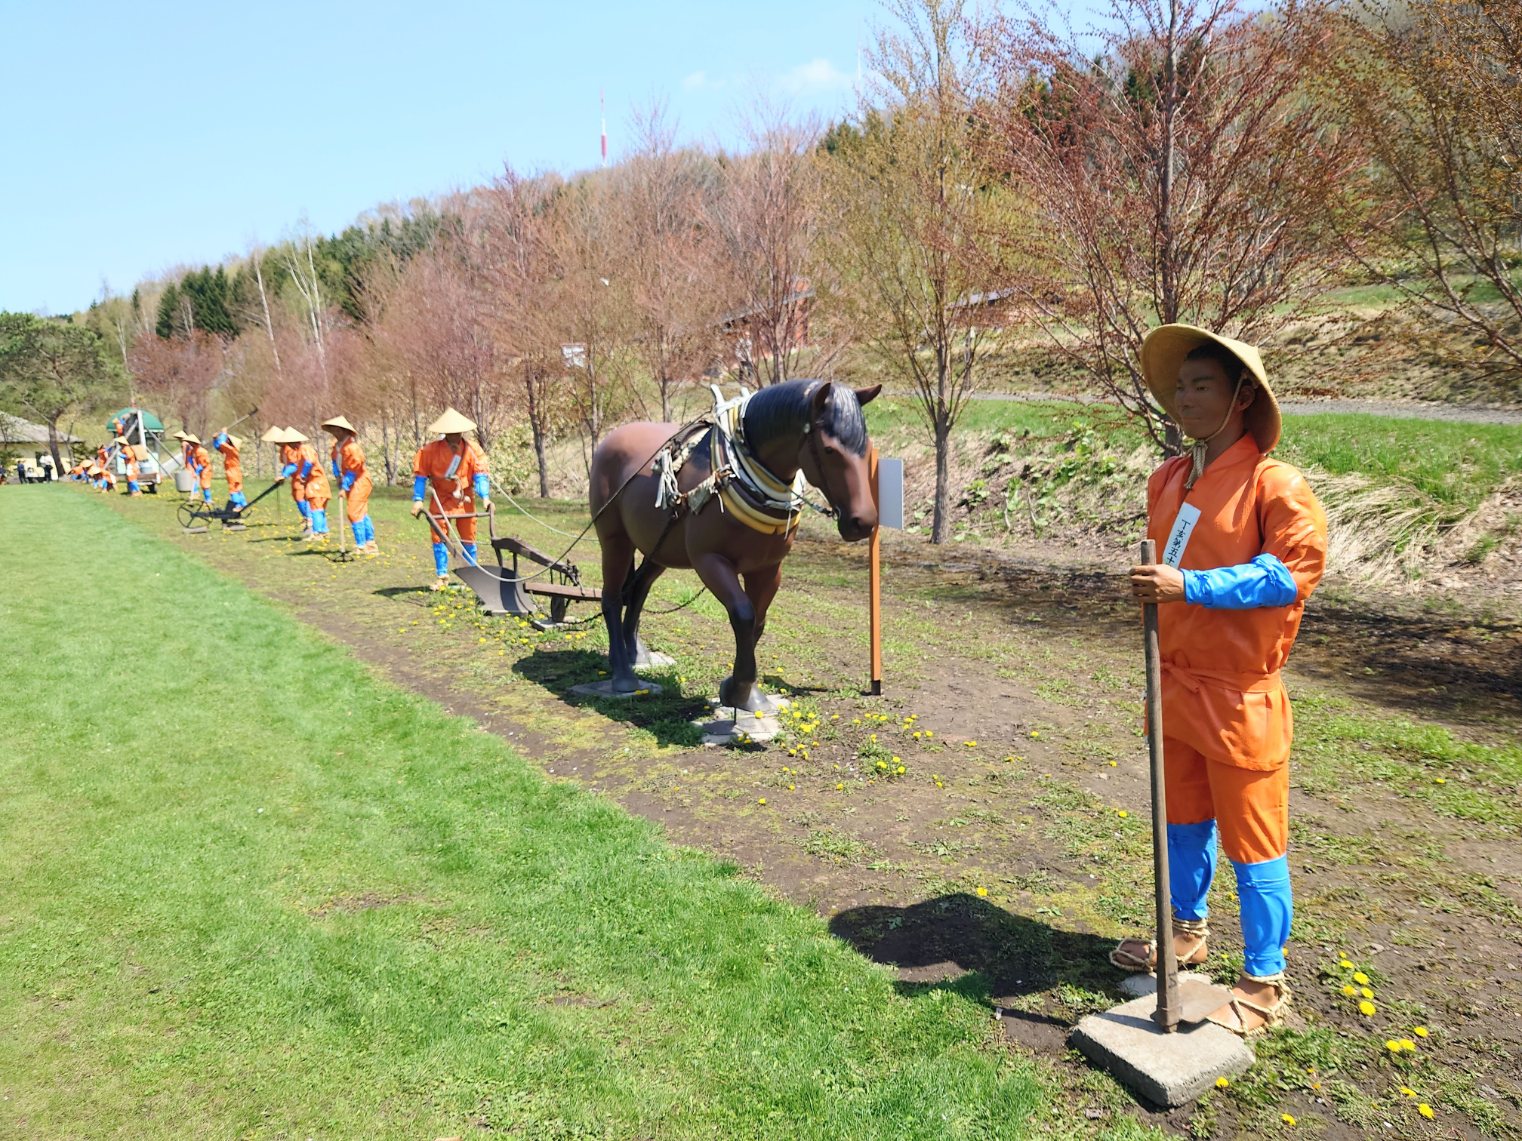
x=142, y=136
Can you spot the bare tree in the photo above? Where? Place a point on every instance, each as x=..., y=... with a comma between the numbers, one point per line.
x=1432, y=91
x=1178, y=174
x=519, y=268
x=668, y=253
x=920, y=225
x=588, y=297
x=766, y=219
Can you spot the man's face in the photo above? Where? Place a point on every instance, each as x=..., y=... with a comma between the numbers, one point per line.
x=1204, y=398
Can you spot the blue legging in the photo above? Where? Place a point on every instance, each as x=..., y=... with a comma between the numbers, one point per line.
x=1263, y=889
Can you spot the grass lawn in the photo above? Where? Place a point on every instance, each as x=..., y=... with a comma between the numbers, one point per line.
x=252, y=891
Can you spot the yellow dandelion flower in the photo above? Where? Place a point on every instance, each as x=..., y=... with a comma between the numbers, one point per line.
x=1407, y=1044
x=761, y=800
x=1360, y=978
x=1366, y=1008
x=982, y=892
x=1426, y=1111
x=1419, y=1031
x=917, y=734
x=1392, y=1045
x=1036, y=734
x=1345, y=964
x=1288, y=1119
x=1366, y=992
x=1123, y=814
x=1350, y=990
x=1222, y=1083
x=1439, y=780
x=840, y=786
x=929, y=733
x=970, y=744
x=1408, y=1091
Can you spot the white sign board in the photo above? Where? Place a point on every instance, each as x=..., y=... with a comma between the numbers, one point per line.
x=890, y=493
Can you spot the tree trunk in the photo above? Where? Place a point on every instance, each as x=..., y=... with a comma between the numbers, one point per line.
x=58, y=468
x=941, y=520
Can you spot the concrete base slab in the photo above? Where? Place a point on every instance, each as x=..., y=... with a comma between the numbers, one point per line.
x=1164, y=1069
x=653, y=660
x=605, y=689
x=1141, y=985
x=738, y=728
x=772, y=703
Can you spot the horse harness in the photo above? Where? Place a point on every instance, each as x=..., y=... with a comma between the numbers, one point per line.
x=743, y=487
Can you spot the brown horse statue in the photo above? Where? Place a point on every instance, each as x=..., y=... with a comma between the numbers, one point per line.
x=722, y=496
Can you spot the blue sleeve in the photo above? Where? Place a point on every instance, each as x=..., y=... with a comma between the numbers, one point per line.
x=348, y=479
x=481, y=485
x=306, y=469
x=1263, y=582
x=219, y=439
x=288, y=469
x=336, y=473
x=419, y=487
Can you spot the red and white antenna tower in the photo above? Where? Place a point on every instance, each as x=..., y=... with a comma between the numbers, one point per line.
x=602, y=102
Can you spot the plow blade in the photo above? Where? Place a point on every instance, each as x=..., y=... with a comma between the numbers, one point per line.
x=499, y=594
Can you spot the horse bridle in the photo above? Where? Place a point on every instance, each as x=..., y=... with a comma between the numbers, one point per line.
x=832, y=511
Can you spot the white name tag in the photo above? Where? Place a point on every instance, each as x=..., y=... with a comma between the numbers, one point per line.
x=1178, y=538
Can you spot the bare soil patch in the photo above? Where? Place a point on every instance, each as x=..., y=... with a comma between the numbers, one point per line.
x=1013, y=849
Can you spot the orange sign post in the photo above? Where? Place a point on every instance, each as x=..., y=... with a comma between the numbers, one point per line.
x=874, y=575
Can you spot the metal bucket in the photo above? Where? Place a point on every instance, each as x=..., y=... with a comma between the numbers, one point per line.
x=185, y=480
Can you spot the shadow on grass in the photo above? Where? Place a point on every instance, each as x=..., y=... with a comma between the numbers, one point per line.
x=968, y=945
x=666, y=715
x=401, y=591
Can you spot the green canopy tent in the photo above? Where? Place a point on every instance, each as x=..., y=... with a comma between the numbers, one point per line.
x=150, y=422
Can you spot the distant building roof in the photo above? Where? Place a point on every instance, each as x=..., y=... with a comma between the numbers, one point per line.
x=14, y=430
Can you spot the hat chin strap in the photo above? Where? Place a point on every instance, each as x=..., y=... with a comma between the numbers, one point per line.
x=1198, y=448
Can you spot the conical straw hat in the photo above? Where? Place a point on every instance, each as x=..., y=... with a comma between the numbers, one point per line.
x=236, y=441
x=293, y=437
x=450, y=422
x=190, y=439
x=341, y=423
x=1163, y=352
x=271, y=434
x=180, y=435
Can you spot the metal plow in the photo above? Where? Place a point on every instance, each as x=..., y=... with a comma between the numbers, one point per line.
x=196, y=518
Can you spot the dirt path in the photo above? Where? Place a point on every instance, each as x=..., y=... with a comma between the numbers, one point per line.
x=1013, y=849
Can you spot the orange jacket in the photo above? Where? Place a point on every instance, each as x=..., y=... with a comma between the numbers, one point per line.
x=1222, y=693
x=454, y=491
x=349, y=457
x=316, y=484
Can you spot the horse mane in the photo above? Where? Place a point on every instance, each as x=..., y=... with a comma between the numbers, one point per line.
x=784, y=409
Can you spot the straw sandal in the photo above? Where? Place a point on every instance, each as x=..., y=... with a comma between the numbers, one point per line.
x=1140, y=955
x=1240, y=1013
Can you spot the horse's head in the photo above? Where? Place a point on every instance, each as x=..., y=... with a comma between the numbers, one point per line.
x=834, y=456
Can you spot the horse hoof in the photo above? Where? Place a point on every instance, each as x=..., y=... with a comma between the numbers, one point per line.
x=625, y=684
x=748, y=698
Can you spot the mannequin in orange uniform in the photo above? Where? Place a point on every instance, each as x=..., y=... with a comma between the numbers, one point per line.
x=232, y=466
x=200, y=463
x=130, y=458
x=314, y=486
x=348, y=461
x=289, y=441
x=448, y=477
x=1243, y=544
